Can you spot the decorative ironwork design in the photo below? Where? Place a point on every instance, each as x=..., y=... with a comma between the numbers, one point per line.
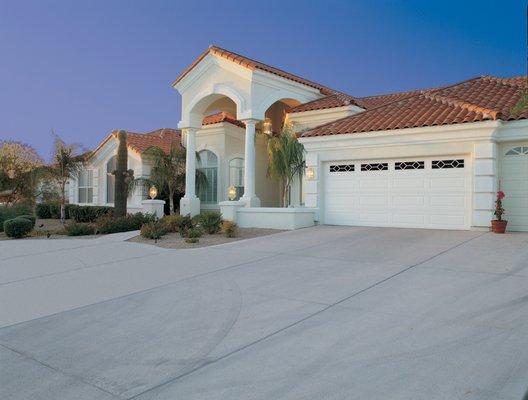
x=342, y=168
x=375, y=167
x=402, y=165
x=445, y=164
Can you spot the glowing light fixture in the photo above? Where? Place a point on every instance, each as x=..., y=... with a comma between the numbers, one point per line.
x=231, y=193
x=267, y=126
x=310, y=173
x=153, y=192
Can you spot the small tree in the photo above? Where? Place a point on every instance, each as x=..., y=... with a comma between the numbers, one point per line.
x=122, y=176
x=66, y=165
x=168, y=172
x=286, y=160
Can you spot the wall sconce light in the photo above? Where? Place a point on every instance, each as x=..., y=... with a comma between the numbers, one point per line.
x=231, y=193
x=153, y=192
x=267, y=127
x=310, y=173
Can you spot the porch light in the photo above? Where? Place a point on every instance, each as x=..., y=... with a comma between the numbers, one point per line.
x=153, y=192
x=266, y=126
x=231, y=193
x=310, y=173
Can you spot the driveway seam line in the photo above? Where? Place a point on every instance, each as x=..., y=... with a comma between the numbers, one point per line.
x=291, y=325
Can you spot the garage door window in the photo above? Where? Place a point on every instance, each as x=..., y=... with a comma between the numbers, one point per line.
x=342, y=168
x=446, y=164
x=375, y=167
x=403, y=165
x=516, y=151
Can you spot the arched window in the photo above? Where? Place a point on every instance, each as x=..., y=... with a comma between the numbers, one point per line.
x=236, y=176
x=110, y=179
x=517, y=151
x=208, y=164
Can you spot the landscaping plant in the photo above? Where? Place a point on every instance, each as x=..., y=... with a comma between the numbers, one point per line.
x=173, y=222
x=193, y=235
x=17, y=227
x=13, y=211
x=79, y=229
x=153, y=230
x=88, y=213
x=499, y=225
x=123, y=177
x=286, y=160
x=229, y=229
x=130, y=222
x=29, y=217
x=210, y=221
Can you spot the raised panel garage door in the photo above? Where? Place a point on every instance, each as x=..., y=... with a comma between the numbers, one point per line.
x=514, y=182
x=416, y=193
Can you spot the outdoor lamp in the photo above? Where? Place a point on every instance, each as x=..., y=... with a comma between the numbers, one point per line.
x=153, y=192
x=231, y=193
x=266, y=126
x=310, y=173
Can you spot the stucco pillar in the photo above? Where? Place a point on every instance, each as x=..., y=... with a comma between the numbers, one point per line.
x=189, y=203
x=312, y=184
x=250, y=197
x=485, y=176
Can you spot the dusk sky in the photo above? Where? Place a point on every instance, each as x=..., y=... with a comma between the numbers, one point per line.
x=83, y=68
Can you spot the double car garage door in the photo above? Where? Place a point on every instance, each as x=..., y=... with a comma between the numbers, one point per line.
x=432, y=192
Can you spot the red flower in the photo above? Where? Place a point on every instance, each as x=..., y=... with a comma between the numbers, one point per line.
x=500, y=195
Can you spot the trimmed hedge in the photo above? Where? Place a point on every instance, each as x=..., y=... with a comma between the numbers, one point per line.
x=17, y=227
x=52, y=210
x=11, y=212
x=88, y=213
x=130, y=222
x=32, y=218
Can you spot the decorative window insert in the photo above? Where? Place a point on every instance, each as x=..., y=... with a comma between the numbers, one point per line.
x=111, y=166
x=517, y=151
x=446, y=164
x=342, y=168
x=236, y=176
x=85, y=187
x=375, y=167
x=403, y=165
x=208, y=164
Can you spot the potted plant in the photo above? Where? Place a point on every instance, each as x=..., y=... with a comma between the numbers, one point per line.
x=499, y=225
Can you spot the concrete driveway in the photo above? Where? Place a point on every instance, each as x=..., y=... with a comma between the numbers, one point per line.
x=319, y=313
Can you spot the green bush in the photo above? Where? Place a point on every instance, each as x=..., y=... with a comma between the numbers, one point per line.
x=88, y=213
x=211, y=221
x=153, y=230
x=229, y=229
x=130, y=222
x=32, y=218
x=11, y=212
x=186, y=223
x=79, y=229
x=52, y=210
x=17, y=227
x=194, y=233
x=173, y=222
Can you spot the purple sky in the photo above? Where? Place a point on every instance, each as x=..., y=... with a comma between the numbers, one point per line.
x=84, y=68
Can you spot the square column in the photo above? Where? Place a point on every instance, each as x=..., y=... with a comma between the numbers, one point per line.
x=249, y=197
x=485, y=177
x=189, y=203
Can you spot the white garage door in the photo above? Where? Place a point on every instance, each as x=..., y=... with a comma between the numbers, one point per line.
x=419, y=193
x=514, y=183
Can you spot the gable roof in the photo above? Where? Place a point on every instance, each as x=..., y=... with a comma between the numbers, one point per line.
x=330, y=101
x=222, y=117
x=252, y=65
x=478, y=99
x=382, y=99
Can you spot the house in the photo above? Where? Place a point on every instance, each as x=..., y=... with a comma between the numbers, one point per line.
x=424, y=159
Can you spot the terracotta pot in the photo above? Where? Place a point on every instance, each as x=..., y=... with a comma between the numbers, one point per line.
x=498, y=226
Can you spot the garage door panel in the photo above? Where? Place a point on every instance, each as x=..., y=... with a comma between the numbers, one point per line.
x=426, y=198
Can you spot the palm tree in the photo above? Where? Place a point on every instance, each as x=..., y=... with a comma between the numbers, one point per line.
x=286, y=160
x=168, y=172
x=66, y=165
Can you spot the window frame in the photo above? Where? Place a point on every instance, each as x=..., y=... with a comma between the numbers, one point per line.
x=88, y=184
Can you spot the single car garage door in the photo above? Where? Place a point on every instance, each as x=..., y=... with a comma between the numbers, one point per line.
x=421, y=192
x=514, y=183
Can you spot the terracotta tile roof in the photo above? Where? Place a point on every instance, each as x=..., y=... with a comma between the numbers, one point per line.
x=379, y=100
x=162, y=138
x=252, y=65
x=479, y=99
x=222, y=117
x=331, y=101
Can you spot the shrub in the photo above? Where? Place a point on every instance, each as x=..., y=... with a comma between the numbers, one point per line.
x=211, y=221
x=229, y=229
x=192, y=240
x=52, y=210
x=77, y=229
x=11, y=212
x=172, y=223
x=17, y=227
x=153, y=230
x=186, y=223
x=88, y=213
x=130, y=222
x=31, y=218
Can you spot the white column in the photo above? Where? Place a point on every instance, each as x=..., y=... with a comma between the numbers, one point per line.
x=485, y=178
x=189, y=203
x=250, y=197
